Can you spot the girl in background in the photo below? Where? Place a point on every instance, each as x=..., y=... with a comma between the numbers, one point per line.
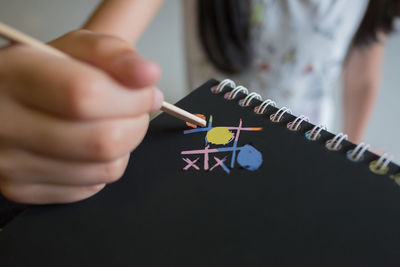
x=292, y=52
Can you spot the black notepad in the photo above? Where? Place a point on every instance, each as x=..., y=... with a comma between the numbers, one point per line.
x=244, y=191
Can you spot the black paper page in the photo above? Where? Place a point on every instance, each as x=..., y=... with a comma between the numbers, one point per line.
x=304, y=206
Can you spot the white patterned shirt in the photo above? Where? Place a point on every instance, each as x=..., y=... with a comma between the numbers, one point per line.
x=299, y=47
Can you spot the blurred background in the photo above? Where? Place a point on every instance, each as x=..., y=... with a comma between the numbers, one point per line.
x=163, y=43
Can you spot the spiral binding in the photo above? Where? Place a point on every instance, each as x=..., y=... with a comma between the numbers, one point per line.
x=263, y=107
x=238, y=89
x=379, y=166
x=245, y=102
x=296, y=124
x=396, y=178
x=357, y=154
x=218, y=89
x=334, y=144
x=276, y=117
x=314, y=133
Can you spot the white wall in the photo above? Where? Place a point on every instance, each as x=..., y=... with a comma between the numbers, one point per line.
x=384, y=129
x=47, y=19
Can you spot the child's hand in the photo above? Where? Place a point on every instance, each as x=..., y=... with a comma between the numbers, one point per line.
x=67, y=126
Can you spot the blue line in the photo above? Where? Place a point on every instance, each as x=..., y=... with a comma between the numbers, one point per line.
x=197, y=130
x=234, y=153
x=235, y=143
x=209, y=127
x=224, y=166
x=225, y=149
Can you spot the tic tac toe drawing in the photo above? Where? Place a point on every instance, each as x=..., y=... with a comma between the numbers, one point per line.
x=222, y=149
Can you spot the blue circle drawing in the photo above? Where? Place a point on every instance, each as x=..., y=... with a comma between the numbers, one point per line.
x=249, y=158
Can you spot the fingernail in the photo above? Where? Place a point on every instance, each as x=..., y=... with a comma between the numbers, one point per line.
x=158, y=99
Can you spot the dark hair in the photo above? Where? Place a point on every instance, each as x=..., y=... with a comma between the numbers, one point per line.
x=224, y=29
x=379, y=18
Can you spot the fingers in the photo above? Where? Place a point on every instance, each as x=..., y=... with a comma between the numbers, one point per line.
x=37, y=169
x=47, y=193
x=102, y=140
x=71, y=121
x=113, y=55
x=70, y=89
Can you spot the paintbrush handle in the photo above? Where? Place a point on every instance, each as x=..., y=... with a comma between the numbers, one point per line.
x=182, y=114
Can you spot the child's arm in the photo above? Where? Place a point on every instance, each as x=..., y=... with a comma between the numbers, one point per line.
x=126, y=19
x=360, y=87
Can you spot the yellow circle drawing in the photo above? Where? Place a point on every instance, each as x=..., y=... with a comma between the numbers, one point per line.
x=219, y=135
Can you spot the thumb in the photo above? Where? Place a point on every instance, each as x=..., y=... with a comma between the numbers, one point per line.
x=112, y=55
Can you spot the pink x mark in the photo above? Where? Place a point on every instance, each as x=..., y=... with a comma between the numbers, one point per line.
x=190, y=164
x=220, y=162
